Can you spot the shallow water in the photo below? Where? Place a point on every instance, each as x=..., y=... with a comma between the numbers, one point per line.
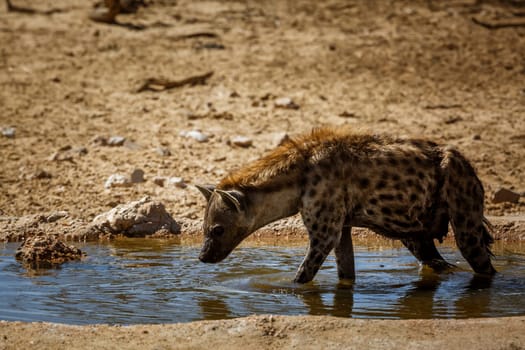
x=154, y=281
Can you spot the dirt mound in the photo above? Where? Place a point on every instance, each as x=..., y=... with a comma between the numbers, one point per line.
x=42, y=252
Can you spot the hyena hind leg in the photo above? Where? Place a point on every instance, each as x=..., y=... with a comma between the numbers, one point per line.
x=424, y=249
x=464, y=195
x=473, y=240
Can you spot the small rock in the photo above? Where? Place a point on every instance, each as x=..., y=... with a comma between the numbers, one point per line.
x=67, y=153
x=103, y=14
x=163, y=151
x=41, y=174
x=159, y=180
x=99, y=140
x=280, y=138
x=453, y=120
x=505, y=195
x=346, y=114
x=46, y=252
x=9, y=132
x=137, y=176
x=117, y=180
x=81, y=151
x=196, y=135
x=242, y=141
x=57, y=216
x=476, y=137
x=286, y=102
x=177, y=182
x=60, y=157
x=116, y=141
x=210, y=46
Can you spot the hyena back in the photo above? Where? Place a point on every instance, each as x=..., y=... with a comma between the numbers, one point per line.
x=406, y=189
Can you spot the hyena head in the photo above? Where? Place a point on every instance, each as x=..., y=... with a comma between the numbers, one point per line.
x=225, y=223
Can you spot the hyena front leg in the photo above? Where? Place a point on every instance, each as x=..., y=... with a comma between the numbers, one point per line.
x=344, y=254
x=324, y=230
x=424, y=249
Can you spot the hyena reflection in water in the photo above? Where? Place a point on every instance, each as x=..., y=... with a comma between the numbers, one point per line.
x=406, y=189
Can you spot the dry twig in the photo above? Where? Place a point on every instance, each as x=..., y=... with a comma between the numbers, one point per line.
x=498, y=24
x=443, y=106
x=195, y=35
x=155, y=84
x=30, y=11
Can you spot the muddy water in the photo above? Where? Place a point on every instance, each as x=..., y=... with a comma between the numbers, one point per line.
x=152, y=281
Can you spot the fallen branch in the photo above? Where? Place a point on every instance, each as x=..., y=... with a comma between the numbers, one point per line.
x=442, y=106
x=154, y=84
x=195, y=35
x=498, y=24
x=30, y=11
x=107, y=15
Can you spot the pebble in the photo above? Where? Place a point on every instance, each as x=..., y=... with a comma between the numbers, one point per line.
x=241, y=141
x=41, y=174
x=196, y=135
x=137, y=176
x=116, y=141
x=177, y=182
x=286, y=102
x=505, y=195
x=280, y=138
x=99, y=140
x=9, y=132
x=67, y=153
x=57, y=215
x=117, y=180
x=159, y=181
x=163, y=151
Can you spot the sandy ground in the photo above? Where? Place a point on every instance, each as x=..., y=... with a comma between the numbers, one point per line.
x=453, y=71
x=274, y=332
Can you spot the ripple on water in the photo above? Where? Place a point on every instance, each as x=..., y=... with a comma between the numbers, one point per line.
x=149, y=281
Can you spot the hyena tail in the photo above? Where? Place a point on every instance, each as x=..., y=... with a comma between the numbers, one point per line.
x=464, y=195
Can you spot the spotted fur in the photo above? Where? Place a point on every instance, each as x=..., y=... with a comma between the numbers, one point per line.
x=406, y=189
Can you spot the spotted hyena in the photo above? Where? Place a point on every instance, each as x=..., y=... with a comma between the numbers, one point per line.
x=406, y=189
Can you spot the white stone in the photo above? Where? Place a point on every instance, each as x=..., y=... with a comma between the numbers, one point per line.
x=9, y=132
x=286, y=102
x=177, y=182
x=196, y=135
x=117, y=180
x=136, y=219
x=242, y=141
x=116, y=141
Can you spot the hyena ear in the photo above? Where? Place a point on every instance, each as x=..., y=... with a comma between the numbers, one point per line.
x=233, y=199
x=206, y=190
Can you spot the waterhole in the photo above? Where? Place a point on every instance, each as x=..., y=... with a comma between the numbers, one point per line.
x=151, y=281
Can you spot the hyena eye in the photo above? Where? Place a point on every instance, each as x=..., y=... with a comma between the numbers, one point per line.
x=217, y=231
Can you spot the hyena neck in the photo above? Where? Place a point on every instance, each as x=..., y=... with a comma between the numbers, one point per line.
x=268, y=206
x=271, y=184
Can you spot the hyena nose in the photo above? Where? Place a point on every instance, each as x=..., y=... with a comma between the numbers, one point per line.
x=206, y=258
